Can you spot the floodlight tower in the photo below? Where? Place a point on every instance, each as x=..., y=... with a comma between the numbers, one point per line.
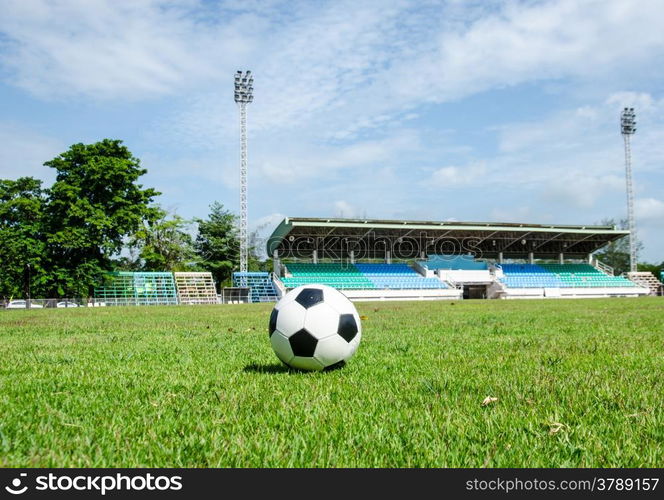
x=244, y=94
x=628, y=127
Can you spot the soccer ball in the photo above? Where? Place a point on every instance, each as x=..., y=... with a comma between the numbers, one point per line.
x=314, y=327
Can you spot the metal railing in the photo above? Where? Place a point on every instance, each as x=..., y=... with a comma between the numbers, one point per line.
x=62, y=303
x=605, y=268
x=279, y=285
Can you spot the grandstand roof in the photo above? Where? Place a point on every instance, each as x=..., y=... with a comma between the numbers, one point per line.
x=335, y=238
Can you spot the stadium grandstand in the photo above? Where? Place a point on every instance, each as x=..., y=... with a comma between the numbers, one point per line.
x=195, y=288
x=124, y=288
x=410, y=260
x=260, y=284
x=405, y=260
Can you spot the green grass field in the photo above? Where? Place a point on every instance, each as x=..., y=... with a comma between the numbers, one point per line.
x=579, y=384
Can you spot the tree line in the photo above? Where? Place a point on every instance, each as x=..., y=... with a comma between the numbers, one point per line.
x=62, y=240
x=616, y=253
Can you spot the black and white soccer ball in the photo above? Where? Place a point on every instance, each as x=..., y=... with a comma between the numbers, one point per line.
x=314, y=327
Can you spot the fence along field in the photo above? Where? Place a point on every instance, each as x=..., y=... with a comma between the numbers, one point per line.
x=497, y=384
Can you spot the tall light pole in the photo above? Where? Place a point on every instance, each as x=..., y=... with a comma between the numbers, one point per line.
x=628, y=127
x=244, y=94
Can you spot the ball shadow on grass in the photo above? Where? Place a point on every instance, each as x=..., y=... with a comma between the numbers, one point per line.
x=274, y=368
x=268, y=368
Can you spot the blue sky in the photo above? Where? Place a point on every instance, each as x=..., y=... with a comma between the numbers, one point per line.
x=428, y=110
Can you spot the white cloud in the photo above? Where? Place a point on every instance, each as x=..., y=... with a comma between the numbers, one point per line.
x=344, y=69
x=563, y=131
x=202, y=168
x=261, y=229
x=344, y=209
x=530, y=41
x=452, y=176
x=336, y=82
x=581, y=190
x=268, y=222
x=514, y=214
x=580, y=151
x=113, y=49
x=283, y=165
x=345, y=66
x=639, y=100
x=649, y=210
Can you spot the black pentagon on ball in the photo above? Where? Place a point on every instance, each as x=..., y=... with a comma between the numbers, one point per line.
x=303, y=343
x=347, y=327
x=273, y=321
x=309, y=297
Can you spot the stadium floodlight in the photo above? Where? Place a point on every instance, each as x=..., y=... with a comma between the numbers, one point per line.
x=628, y=128
x=244, y=94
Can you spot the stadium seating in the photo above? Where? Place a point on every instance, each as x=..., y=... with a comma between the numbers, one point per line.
x=328, y=268
x=262, y=289
x=409, y=283
x=529, y=276
x=390, y=270
x=398, y=277
x=647, y=280
x=585, y=275
x=124, y=288
x=559, y=276
x=359, y=276
x=195, y=288
x=340, y=276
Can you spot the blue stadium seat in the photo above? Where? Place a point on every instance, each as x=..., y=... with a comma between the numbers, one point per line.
x=262, y=289
x=398, y=276
x=559, y=276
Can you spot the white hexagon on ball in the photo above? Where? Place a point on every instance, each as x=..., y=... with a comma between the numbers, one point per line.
x=314, y=327
x=281, y=347
x=322, y=321
x=338, y=301
x=307, y=364
x=290, y=318
x=332, y=350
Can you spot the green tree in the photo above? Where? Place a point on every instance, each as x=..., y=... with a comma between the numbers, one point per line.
x=22, y=244
x=616, y=253
x=257, y=257
x=164, y=244
x=652, y=268
x=217, y=244
x=93, y=206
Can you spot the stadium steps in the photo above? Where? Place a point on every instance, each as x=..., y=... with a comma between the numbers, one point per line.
x=124, y=288
x=195, y=288
x=260, y=283
x=646, y=280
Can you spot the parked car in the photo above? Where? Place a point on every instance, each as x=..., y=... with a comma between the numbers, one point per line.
x=22, y=304
x=66, y=303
